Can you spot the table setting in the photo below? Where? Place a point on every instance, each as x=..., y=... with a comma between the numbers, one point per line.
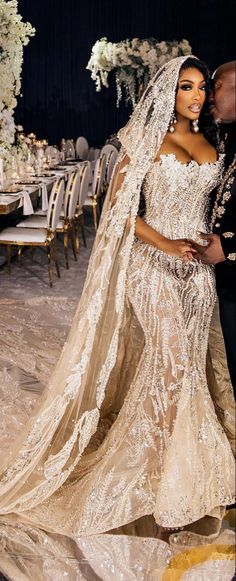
x=28, y=181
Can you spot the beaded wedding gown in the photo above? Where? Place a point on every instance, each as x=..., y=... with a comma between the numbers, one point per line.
x=147, y=440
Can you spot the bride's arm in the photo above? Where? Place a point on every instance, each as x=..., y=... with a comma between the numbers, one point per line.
x=180, y=247
x=146, y=233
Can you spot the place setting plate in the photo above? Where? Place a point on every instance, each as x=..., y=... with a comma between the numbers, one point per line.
x=11, y=190
x=29, y=183
x=46, y=175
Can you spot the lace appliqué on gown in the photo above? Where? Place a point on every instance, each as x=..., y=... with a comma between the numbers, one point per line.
x=165, y=453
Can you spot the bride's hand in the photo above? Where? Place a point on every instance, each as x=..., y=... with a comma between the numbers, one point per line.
x=181, y=247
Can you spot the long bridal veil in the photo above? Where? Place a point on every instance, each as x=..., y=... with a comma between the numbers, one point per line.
x=88, y=376
x=105, y=343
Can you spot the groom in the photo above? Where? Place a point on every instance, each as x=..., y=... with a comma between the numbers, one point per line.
x=221, y=249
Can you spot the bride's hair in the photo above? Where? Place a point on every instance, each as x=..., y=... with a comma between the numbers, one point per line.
x=206, y=122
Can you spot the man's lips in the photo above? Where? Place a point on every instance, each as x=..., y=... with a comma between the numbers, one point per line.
x=215, y=113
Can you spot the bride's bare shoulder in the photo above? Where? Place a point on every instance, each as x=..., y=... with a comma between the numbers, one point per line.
x=192, y=146
x=170, y=145
x=205, y=151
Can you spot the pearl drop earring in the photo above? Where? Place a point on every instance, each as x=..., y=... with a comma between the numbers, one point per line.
x=173, y=122
x=195, y=126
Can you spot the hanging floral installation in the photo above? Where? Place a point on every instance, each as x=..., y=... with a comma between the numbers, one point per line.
x=14, y=35
x=134, y=62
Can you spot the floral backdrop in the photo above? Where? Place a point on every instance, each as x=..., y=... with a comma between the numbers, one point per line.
x=14, y=35
x=134, y=62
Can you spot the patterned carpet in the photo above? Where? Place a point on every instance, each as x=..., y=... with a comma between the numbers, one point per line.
x=34, y=323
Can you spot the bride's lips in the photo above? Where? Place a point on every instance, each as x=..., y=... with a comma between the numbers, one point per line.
x=195, y=108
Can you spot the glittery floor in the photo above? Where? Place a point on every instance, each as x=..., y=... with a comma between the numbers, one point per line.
x=29, y=554
x=33, y=326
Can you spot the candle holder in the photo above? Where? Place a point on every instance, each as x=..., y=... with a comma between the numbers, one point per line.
x=29, y=164
x=14, y=170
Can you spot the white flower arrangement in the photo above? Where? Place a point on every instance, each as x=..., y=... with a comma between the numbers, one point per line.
x=14, y=35
x=134, y=62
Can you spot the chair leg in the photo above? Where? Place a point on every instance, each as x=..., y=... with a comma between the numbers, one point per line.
x=95, y=219
x=32, y=249
x=49, y=265
x=81, y=222
x=73, y=242
x=100, y=205
x=8, y=253
x=55, y=256
x=66, y=248
x=77, y=244
x=19, y=254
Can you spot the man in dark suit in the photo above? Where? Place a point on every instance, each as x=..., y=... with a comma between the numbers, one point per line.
x=221, y=249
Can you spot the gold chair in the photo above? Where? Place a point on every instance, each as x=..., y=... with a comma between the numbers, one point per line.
x=66, y=223
x=111, y=159
x=43, y=236
x=97, y=187
x=85, y=177
x=66, y=218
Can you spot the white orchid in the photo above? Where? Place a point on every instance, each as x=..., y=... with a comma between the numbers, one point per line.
x=14, y=34
x=174, y=51
x=163, y=47
x=133, y=61
x=185, y=47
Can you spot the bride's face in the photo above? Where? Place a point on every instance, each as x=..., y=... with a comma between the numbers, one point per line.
x=191, y=94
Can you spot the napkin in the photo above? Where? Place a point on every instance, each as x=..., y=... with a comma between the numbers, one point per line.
x=44, y=197
x=27, y=204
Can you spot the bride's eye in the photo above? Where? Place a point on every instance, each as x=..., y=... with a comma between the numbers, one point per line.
x=186, y=87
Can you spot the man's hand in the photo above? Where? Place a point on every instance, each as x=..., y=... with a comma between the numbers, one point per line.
x=213, y=253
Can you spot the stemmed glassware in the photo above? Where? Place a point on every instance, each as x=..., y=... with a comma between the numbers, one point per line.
x=14, y=170
x=30, y=169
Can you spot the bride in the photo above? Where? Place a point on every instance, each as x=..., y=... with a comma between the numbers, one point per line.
x=127, y=427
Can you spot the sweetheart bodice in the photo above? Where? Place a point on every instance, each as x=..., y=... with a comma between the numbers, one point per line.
x=177, y=195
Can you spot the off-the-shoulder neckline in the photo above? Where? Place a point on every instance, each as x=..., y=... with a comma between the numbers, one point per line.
x=190, y=162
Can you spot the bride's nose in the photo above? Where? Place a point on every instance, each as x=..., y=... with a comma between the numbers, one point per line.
x=197, y=95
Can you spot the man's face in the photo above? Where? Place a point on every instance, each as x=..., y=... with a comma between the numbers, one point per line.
x=224, y=104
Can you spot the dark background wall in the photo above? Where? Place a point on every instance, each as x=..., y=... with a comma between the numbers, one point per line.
x=59, y=97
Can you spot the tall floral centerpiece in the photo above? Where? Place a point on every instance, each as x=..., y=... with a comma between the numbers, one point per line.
x=134, y=63
x=14, y=35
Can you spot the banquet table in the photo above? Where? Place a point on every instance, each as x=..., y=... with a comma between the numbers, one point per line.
x=12, y=201
x=9, y=202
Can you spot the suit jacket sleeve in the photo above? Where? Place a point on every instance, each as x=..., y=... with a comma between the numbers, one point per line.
x=228, y=227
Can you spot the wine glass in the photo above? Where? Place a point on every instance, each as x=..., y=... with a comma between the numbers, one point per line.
x=30, y=163
x=14, y=170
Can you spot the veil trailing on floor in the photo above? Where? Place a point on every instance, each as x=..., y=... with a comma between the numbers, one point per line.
x=105, y=343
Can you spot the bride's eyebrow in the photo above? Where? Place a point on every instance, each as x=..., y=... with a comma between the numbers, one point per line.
x=188, y=81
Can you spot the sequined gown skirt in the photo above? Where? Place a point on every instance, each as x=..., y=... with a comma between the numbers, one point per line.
x=165, y=453
x=173, y=302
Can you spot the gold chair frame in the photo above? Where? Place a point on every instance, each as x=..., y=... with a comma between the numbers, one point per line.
x=69, y=225
x=79, y=216
x=49, y=243
x=97, y=194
